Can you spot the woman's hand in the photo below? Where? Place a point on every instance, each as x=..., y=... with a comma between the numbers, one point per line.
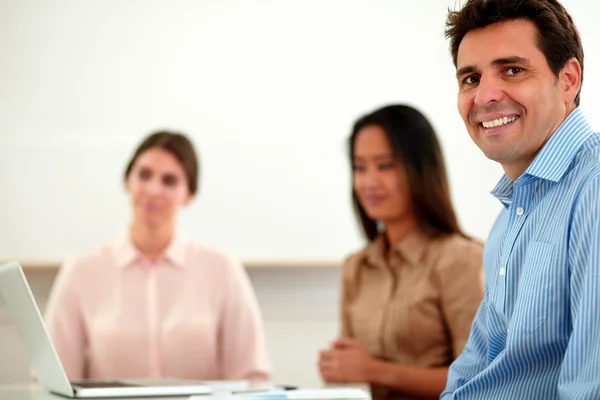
x=346, y=361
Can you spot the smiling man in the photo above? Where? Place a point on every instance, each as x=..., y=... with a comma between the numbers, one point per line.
x=519, y=68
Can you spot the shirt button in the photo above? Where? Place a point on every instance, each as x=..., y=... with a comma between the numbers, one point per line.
x=502, y=271
x=520, y=211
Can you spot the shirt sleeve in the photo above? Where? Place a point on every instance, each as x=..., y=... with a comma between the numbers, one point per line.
x=578, y=377
x=241, y=335
x=345, y=287
x=63, y=317
x=461, y=282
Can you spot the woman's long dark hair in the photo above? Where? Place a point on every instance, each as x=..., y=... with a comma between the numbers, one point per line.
x=416, y=147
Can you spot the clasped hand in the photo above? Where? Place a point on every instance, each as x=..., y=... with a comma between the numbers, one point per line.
x=346, y=361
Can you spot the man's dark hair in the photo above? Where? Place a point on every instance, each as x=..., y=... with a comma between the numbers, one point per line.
x=558, y=38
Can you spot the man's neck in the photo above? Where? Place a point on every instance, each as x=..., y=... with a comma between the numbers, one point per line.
x=516, y=169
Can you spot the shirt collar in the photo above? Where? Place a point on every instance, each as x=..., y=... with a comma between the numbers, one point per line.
x=503, y=190
x=411, y=248
x=374, y=254
x=555, y=157
x=126, y=254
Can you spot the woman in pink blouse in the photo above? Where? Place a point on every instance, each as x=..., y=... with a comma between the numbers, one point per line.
x=153, y=303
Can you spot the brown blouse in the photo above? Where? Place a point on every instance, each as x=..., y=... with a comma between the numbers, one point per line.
x=415, y=303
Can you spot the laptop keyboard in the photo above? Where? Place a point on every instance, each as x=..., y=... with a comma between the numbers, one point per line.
x=102, y=384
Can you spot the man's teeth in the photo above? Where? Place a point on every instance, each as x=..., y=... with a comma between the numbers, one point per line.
x=499, y=122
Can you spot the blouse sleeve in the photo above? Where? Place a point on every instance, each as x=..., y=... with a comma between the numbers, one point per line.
x=347, y=273
x=461, y=279
x=241, y=334
x=64, y=321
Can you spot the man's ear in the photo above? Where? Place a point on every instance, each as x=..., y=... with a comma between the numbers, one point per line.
x=570, y=80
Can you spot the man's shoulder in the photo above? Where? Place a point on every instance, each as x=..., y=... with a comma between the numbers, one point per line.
x=591, y=147
x=581, y=185
x=587, y=162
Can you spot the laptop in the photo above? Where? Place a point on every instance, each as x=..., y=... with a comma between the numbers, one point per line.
x=22, y=308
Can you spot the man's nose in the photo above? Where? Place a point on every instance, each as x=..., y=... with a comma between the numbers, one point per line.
x=489, y=90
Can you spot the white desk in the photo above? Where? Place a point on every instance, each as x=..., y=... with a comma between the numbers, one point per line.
x=36, y=392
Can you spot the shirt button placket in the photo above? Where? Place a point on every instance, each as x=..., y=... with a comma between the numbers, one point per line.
x=520, y=211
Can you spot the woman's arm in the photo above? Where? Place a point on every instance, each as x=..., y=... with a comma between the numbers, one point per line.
x=413, y=381
x=65, y=323
x=241, y=335
x=347, y=272
x=460, y=278
x=348, y=361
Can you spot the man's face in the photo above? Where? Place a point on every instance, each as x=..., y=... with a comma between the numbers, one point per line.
x=509, y=99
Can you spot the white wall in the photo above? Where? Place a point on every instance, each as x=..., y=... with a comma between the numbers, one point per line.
x=267, y=89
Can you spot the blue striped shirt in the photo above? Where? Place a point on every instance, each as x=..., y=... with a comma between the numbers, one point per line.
x=536, y=334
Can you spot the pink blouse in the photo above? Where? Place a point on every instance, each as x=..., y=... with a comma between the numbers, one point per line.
x=191, y=314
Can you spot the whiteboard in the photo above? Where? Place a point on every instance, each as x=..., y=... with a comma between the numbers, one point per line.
x=267, y=90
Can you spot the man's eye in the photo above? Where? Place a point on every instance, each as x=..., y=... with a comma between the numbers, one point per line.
x=513, y=70
x=470, y=80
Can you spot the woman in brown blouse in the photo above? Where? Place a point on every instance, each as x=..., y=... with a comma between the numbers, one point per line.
x=409, y=297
